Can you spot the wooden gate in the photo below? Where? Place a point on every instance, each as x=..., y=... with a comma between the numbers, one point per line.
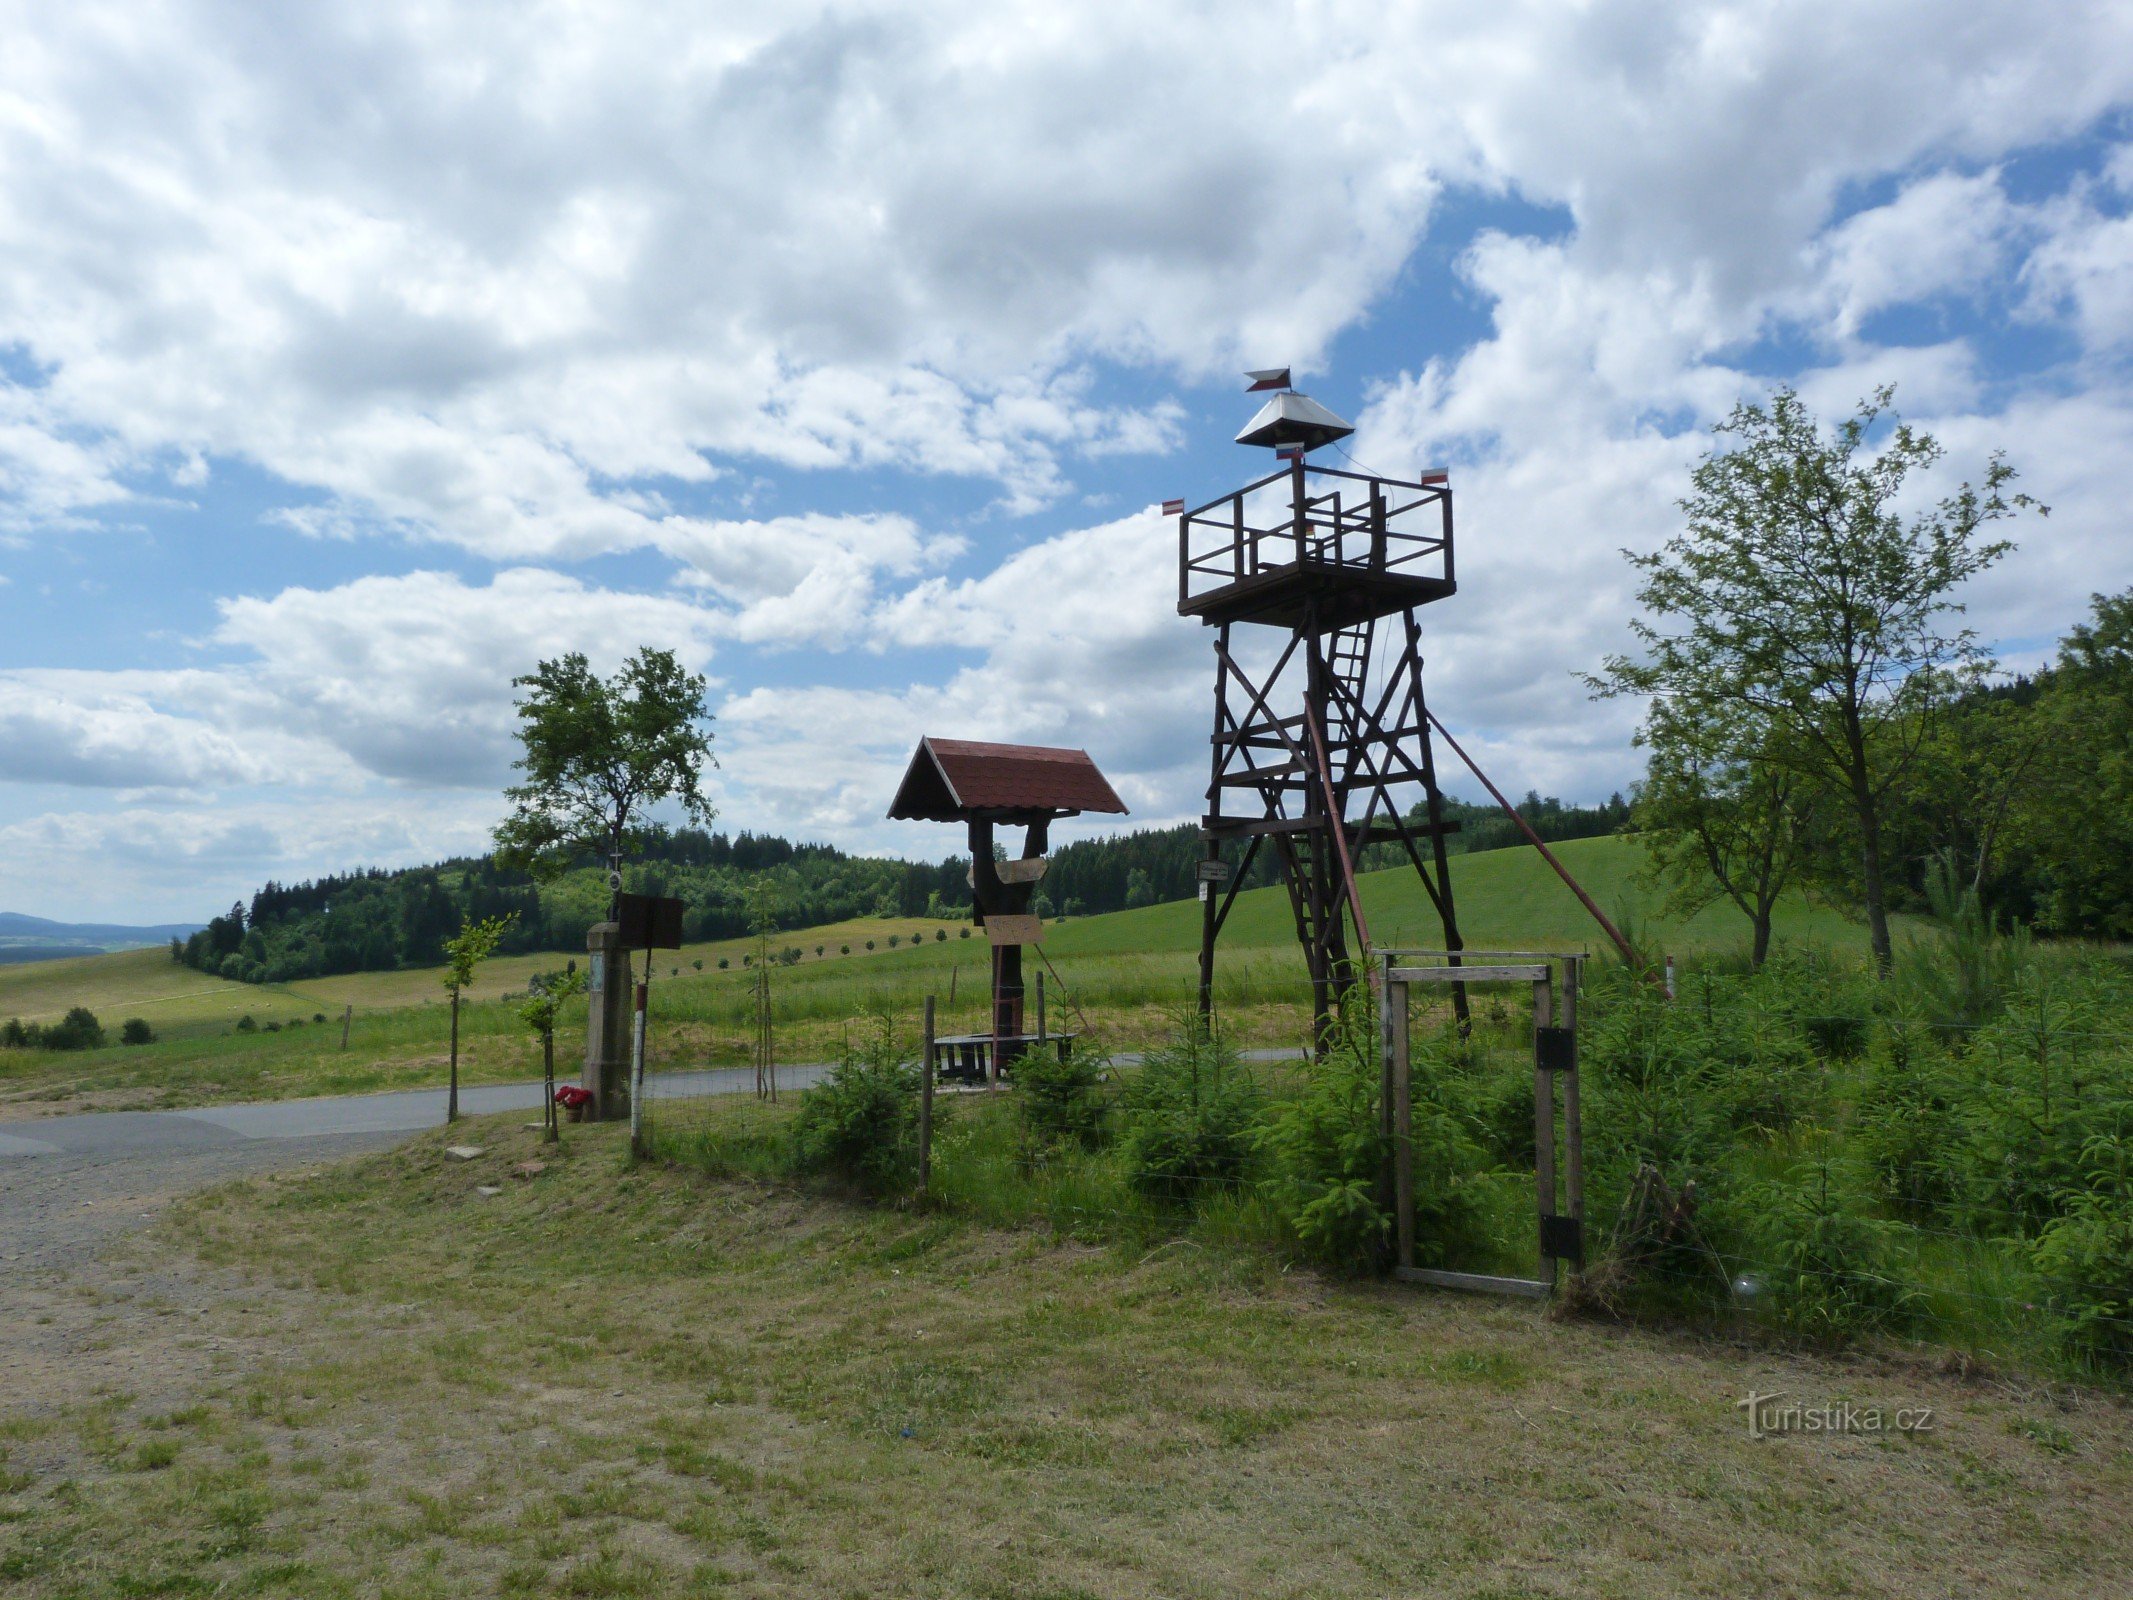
x=1561, y=1218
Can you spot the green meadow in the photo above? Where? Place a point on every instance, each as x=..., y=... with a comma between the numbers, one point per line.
x=1117, y=977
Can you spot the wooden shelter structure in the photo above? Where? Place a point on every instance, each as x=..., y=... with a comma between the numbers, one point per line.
x=987, y=787
x=1312, y=580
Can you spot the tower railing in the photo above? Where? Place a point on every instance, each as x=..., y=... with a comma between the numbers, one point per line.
x=1326, y=519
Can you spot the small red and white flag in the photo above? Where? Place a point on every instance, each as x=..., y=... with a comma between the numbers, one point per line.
x=1173, y=508
x=1289, y=452
x=1437, y=475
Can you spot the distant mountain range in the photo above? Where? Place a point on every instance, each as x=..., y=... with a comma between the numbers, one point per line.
x=41, y=939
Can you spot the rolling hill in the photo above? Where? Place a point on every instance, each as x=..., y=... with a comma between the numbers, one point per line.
x=1505, y=897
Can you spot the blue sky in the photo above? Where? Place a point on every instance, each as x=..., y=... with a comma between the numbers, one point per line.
x=351, y=363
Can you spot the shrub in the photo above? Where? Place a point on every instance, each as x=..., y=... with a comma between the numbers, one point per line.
x=698, y=965
x=724, y=962
x=1649, y=1099
x=1835, y=1038
x=245, y=1024
x=1327, y=1150
x=2034, y=1098
x=819, y=949
x=1498, y=1105
x=2086, y=1261
x=963, y=933
x=892, y=941
x=1768, y=1079
x=1907, y=1129
x=1967, y=974
x=870, y=944
x=135, y=1030
x=859, y=1126
x=1187, y=1117
x=940, y=935
x=1061, y=1101
x=318, y=1016
x=15, y=1036
x=844, y=949
x=1829, y=1269
x=78, y=1030
x=2086, y=1257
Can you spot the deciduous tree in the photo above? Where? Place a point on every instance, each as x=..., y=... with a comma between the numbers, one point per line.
x=1723, y=818
x=2076, y=822
x=473, y=945
x=539, y=1013
x=598, y=753
x=1803, y=594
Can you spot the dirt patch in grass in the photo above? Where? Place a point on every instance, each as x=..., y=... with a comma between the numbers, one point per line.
x=62, y=1100
x=615, y=1381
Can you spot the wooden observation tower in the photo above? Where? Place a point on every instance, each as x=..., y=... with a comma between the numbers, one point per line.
x=1312, y=580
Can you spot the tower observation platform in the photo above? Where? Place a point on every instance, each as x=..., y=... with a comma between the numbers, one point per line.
x=1312, y=546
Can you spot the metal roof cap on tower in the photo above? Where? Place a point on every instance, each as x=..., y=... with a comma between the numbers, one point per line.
x=1293, y=418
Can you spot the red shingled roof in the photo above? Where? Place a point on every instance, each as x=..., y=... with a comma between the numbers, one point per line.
x=950, y=779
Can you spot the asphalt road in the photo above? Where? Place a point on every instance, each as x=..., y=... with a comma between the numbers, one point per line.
x=67, y=1183
x=156, y=1134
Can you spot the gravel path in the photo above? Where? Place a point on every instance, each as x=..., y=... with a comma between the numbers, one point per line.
x=73, y=1188
x=85, y=1311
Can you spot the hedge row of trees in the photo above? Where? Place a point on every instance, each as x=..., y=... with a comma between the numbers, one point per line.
x=2021, y=793
x=77, y=1030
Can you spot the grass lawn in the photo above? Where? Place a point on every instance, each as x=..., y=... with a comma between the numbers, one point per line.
x=605, y=1381
x=1119, y=977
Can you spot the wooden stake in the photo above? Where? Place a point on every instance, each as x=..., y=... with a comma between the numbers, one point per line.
x=549, y=1132
x=1388, y=1180
x=1403, y=1126
x=1573, y=1115
x=925, y=1103
x=992, y=1061
x=1543, y=1120
x=637, y=1068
